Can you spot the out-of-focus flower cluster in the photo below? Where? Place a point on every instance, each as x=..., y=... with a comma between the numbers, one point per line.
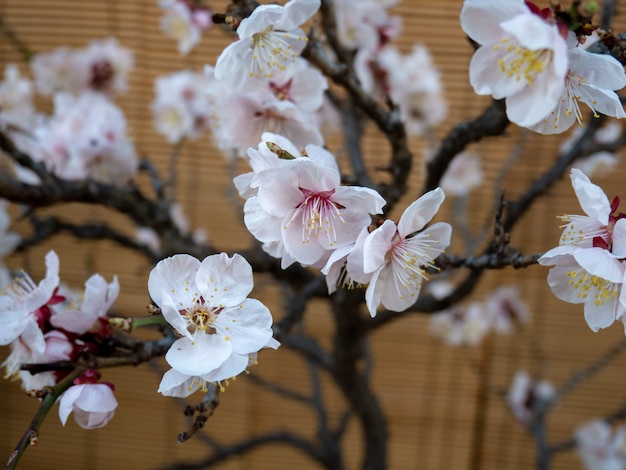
x=467, y=324
x=600, y=447
x=86, y=135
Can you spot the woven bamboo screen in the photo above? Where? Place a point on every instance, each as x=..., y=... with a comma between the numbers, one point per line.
x=442, y=413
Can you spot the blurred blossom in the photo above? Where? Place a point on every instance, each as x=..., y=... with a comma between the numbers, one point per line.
x=463, y=174
x=101, y=66
x=525, y=394
x=184, y=21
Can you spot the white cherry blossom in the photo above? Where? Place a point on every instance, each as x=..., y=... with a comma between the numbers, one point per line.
x=206, y=302
x=269, y=41
x=397, y=254
x=315, y=214
x=522, y=57
x=524, y=395
x=590, y=80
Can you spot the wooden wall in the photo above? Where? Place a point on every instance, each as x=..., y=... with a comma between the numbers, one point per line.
x=442, y=415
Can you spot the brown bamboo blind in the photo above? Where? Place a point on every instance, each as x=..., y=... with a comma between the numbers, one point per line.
x=441, y=415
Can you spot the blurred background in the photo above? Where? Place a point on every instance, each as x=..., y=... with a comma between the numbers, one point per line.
x=442, y=412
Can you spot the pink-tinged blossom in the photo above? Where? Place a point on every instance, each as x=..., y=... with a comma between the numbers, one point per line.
x=247, y=117
x=600, y=447
x=57, y=348
x=86, y=138
x=522, y=58
x=590, y=80
x=397, y=255
x=302, y=84
x=182, y=107
x=601, y=226
x=102, y=66
x=589, y=276
x=506, y=309
x=366, y=24
x=24, y=308
x=85, y=313
x=525, y=394
x=587, y=267
x=270, y=40
x=184, y=22
x=93, y=404
x=206, y=302
x=414, y=83
x=463, y=175
x=315, y=213
x=462, y=325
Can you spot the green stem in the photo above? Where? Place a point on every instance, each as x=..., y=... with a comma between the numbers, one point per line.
x=130, y=324
x=31, y=435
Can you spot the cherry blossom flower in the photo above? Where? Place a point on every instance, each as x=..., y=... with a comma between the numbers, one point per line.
x=86, y=138
x=366, y=24
x=101, y=66
x=590, y=80
x=25, y=306
x=184, y=22
x=589, y=276
x=462, y=325
x=463, y=174
x=587, y=267
x=506, y=309
x=269, y=40
x=206, y=302
x=248, y=116
x=182, y=107
x=600, y=447
x=93, y=404
x=57, y=348
x=524, y=395
x=84, y=313
x=601, y=227
x=522, y=57
x=397, y=254
x=315, y=214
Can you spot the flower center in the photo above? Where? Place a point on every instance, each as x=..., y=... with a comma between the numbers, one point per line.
x=319, y=214
x=592, y=287
x=520, y=62
x=201, y=317
x=271, y=51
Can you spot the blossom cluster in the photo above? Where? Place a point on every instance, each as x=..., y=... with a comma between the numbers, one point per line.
x=589, y=261
x=526, y=394
x=467, y=324
x=531, y=59
x=86, y=135
x=298, y=209
x=47, y=322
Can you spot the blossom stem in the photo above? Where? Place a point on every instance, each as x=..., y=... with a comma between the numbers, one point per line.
x=130, y=324
x=31, y=435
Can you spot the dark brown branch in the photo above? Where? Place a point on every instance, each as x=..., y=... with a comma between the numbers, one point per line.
x=226, y=452
x=491, y=122
x=205, y=410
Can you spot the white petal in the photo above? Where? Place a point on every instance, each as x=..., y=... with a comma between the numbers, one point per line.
x=224, y=281
x=480, y=19
x=591, y=197
x=420, y=212
x=174, y=277
x=377, y=245
x=198, y=357
x=248, y=328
